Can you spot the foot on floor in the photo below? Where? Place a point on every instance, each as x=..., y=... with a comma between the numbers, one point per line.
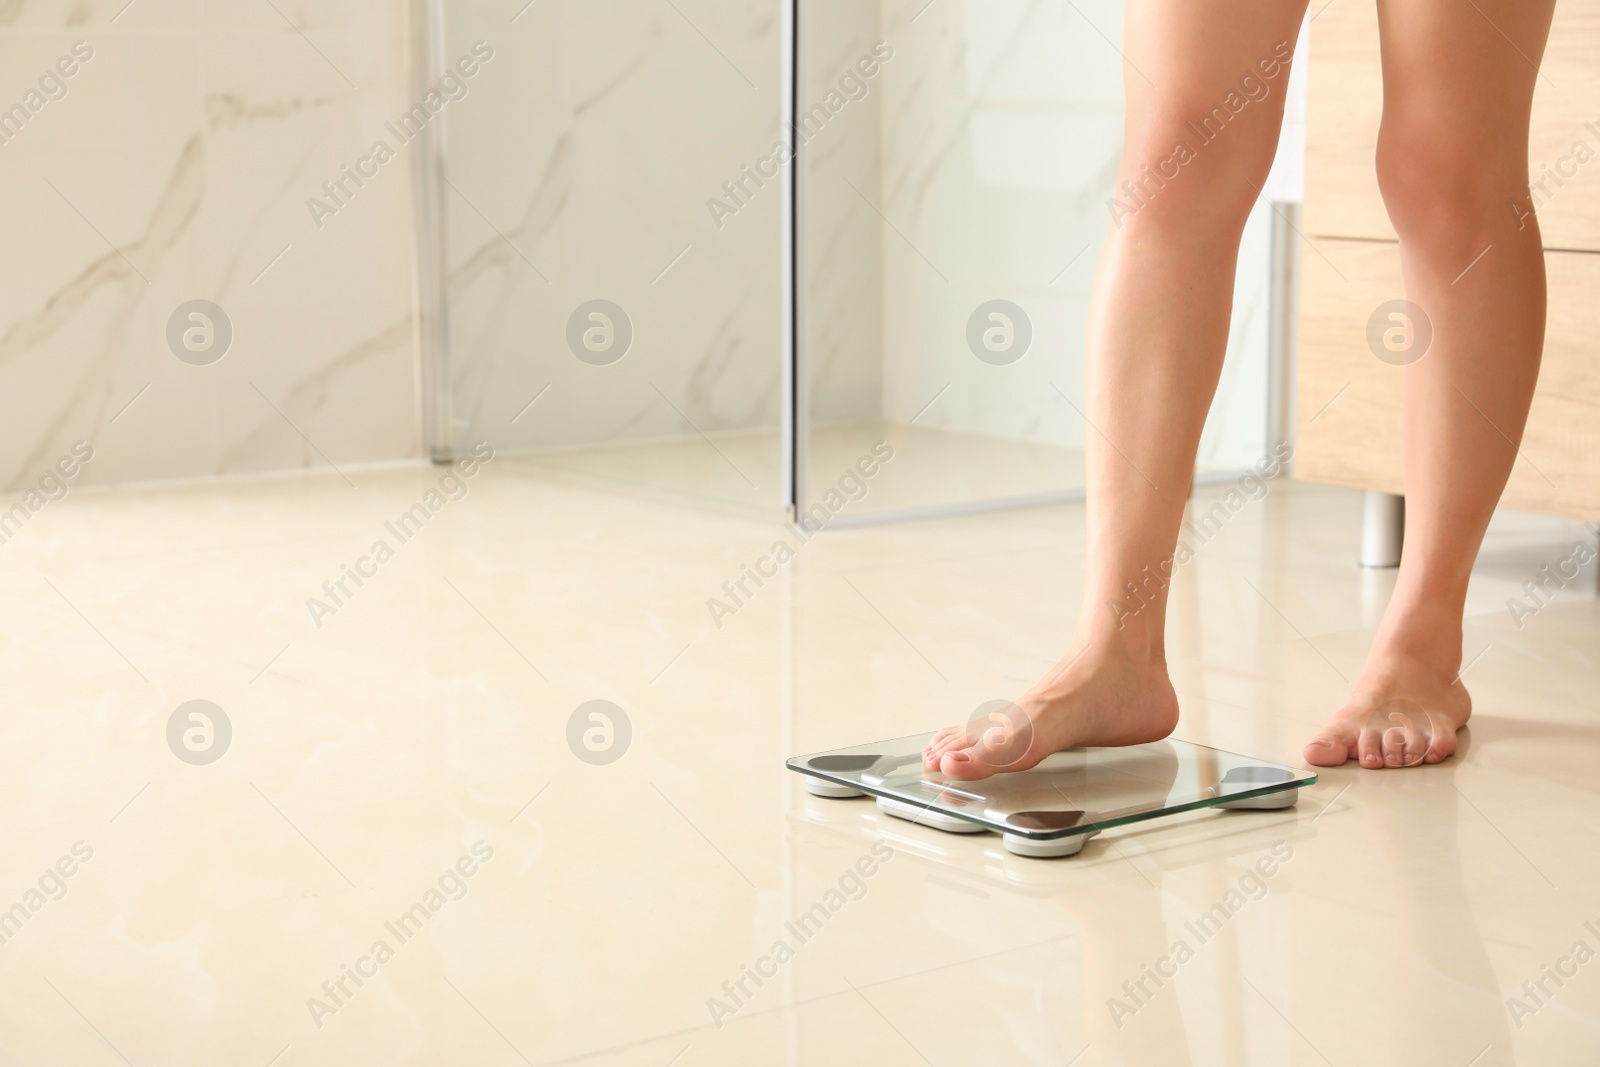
x=1405, y=711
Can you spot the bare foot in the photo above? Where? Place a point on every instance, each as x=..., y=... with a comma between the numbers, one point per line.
x=1406, y=710
x=1102, y=696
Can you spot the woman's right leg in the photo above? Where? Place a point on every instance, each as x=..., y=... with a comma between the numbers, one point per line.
x=1206, y=81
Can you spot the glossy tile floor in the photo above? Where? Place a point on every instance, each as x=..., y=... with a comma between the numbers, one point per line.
x=397, y=797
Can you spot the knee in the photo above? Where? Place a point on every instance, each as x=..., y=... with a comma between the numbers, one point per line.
x=1177, y=176
x=1444, y=188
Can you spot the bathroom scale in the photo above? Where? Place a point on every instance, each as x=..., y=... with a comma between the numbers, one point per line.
x=1054, y=808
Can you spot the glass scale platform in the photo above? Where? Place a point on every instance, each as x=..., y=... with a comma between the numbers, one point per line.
x=1054, y=808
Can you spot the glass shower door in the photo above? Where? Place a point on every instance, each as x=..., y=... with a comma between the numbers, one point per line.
x=957, y=159
x=622, y=182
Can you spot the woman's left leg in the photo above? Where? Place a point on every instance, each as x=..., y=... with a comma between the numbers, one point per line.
x=1458, y=83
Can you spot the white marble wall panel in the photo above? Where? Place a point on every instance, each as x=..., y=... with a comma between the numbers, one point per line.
x=843, y=233
x=1002, y=129
x=582, y=162
x=177, y=167
x=581, y=168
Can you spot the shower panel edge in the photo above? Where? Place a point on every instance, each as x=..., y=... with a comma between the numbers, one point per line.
x=797, y=400
x=790, y=422
x=430, y=316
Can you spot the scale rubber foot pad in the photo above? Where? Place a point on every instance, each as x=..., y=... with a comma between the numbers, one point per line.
x=821, y=787
x=1285, y=798
x=1046, y=850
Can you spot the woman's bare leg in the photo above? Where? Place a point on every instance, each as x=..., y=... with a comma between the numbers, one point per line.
x=1206, y=81
x=1452, y=162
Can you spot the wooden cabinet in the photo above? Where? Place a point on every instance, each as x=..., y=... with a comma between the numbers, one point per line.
x=1348, y=402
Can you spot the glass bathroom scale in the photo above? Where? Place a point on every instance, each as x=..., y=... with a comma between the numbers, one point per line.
x=1054, y=808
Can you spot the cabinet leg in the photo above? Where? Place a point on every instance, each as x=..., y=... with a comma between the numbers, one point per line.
x=1383, y=524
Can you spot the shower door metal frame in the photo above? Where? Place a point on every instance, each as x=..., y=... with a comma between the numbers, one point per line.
x=795, y=431
x=430, y=282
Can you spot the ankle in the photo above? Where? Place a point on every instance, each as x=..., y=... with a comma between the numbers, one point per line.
x=1138, y=640
x=1427, y=637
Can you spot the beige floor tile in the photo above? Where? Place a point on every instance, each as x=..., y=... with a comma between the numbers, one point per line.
x=624, y=902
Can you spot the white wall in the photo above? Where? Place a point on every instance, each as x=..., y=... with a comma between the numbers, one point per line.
x=587, y=155
x=177, y=167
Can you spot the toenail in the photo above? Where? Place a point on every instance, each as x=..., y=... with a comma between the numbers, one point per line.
x=959, y=757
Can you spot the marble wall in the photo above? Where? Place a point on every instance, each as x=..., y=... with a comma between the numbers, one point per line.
x=175, y=164
x=613, y=150
x=213, y=150
x=1006, y=133
x=844, y=236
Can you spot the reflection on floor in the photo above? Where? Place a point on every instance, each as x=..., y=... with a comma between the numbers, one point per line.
x=423, y=844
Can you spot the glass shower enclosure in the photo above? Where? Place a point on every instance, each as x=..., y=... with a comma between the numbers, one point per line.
x=783, y=255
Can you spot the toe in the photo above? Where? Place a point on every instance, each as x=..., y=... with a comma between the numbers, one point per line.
x=1405, y=747
x=1393, y=745
x=989, y=750
x=1409, y=737
x=1441, y=748
x=1369, y=746
x=930, y=751
x=965, y=765
x=1331, y=747
x=951, y=737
